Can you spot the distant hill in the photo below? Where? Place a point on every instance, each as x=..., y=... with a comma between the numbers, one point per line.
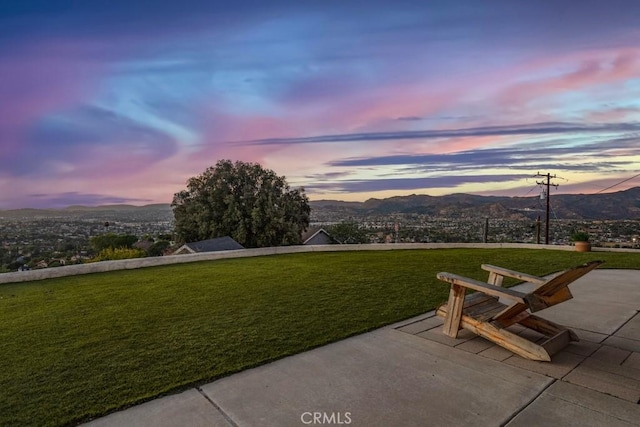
x=122, y=213
x=615, y=206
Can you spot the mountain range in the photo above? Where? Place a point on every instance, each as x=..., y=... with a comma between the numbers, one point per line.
x=621, y=205
x=607, y=206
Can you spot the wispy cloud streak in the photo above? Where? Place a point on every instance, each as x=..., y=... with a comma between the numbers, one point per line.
x=511, y=156
x=529, y=129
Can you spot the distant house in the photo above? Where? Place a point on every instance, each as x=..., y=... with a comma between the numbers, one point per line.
x=225, y=243
x=316, y=236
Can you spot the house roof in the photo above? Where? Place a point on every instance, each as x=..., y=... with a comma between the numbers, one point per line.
x=311, y=233
x=225, y=243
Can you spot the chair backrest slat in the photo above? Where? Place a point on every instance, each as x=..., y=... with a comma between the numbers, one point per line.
x=565, y=278
x=553, y=292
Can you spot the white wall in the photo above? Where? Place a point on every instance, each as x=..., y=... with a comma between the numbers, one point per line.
x=128, y=264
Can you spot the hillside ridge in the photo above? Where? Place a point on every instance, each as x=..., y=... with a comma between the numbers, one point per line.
x=621, y=205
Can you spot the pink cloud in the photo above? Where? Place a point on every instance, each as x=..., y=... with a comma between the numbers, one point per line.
x=105, y=162
x=587, y=70
x=394, y=101
x=453, y=145
x=222, y=136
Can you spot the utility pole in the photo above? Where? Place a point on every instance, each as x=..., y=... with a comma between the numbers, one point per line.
x=485, y=234
x=547, y=183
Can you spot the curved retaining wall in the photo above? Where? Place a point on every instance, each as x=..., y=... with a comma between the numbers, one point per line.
x=128, y=264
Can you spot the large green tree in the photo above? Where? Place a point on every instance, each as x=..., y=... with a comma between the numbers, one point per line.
x=251, y=204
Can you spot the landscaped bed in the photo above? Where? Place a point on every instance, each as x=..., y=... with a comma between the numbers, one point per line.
x=78, y=347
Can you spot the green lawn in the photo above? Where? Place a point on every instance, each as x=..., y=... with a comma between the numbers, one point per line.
x=78, y=347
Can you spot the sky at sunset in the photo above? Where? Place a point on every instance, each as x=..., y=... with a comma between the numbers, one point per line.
x=116, y=101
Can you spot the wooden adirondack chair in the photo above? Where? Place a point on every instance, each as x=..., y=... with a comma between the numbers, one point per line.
x=484, y=314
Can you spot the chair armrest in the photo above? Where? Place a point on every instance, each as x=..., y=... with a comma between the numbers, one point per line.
x=514, y=274
x=483, y=287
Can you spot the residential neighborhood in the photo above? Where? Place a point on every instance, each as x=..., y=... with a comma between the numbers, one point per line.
x=63, y=238
x=50, y=241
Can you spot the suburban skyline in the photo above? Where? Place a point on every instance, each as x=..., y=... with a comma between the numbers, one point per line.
x=107, y=102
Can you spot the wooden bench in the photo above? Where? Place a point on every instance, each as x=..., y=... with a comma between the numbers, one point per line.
x=485, y=312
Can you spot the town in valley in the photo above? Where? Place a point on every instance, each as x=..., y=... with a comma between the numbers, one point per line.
x=32, y=238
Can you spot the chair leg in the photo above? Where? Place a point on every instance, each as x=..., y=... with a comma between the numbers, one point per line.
x=454, y=311
x=546, y=327
x=557, y=342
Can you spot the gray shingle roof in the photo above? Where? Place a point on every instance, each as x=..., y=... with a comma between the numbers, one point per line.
x=225, y=243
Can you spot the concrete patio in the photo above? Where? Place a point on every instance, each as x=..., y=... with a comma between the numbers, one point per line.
x=410, y=374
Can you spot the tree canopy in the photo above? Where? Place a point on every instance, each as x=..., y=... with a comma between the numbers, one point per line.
x=253, y=205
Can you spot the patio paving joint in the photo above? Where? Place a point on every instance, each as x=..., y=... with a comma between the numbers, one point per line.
x=218, y=408
x=624, y=324
x=563, y=378
x=573, y=402
x=529, y=403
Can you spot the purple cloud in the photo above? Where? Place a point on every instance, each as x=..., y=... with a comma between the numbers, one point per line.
x=74, y=137
x=541, y=155
x=528, y=129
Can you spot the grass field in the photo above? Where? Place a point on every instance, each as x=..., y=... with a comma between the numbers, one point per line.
x=78, y=347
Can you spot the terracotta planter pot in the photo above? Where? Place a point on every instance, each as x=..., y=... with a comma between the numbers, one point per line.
x=583, y=247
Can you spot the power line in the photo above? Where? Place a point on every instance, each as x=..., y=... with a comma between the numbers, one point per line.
x=555, y=215
x=532, y=188
x=615, y=185
x=605, y=189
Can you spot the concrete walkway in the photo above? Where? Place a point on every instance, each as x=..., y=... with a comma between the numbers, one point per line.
x=410, y=374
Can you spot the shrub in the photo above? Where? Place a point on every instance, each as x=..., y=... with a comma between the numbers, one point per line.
x=110, y=240
x=580, y=236
x=118, y=253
